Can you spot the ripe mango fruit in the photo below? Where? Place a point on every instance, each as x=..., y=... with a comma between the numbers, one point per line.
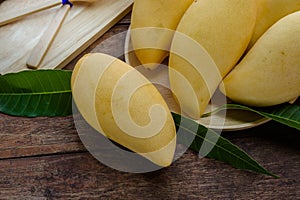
x=152, y=27
x=223, y=28
x=120, y=103
x=269, y=12
x=269, y=74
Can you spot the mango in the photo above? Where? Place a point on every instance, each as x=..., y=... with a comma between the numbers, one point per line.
x=120, y=103
x=269, y=74
x=152, y=27
x=221, y=28
x=269, y=12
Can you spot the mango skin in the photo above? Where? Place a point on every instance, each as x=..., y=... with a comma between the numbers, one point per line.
x=269, y=12
x=152, y=28
x=224, y=29
x=269, y=74
x=96, y=79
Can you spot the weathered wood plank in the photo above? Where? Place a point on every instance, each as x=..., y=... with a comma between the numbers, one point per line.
x=80, y=176
x=27, y=137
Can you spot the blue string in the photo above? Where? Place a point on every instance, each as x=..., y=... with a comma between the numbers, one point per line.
x=66, y=2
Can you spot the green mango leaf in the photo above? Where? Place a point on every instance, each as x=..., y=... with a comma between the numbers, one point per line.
x=33, y=93
x=222, y=149
x=286, y=113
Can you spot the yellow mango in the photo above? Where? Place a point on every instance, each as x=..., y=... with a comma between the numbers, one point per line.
x=120, y=103
x=152, y=27
x=269, y=74
x=223, y=29
x=269, y=12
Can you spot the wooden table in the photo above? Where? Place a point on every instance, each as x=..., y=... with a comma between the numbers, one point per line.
x=43, y=158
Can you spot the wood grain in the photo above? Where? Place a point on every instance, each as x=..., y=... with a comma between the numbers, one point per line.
x=40, y=50
x=7, y=17
x=83, y=25
x=79, y=175
x=45, y=159
x=23, y=137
